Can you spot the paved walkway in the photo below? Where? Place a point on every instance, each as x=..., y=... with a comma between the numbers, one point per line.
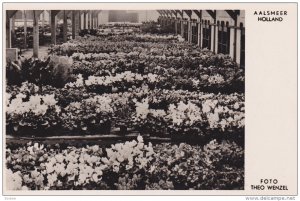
x=43, y=52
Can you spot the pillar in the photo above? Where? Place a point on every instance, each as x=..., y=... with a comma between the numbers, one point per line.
x=231, y=44
x=35, y=34
x=53, y=26
x=182, y=28
x=73, y=24
x=199, y=34
x=235, y=41
x=89, y=20
x=84, y=20
x=216, y=38
x=97, y=20
x=65, y=26
x=13, y=33
x=43, y=22
x=176, y=26
x=79, y=20
x=190, y=31
x=8, y=31
x=238, y=45
x=25, y=28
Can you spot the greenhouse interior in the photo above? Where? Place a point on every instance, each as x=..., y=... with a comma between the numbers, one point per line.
x=125, y=99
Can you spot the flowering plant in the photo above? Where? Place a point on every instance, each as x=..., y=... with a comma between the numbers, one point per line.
x=38, y=114
x=126, y=166
x=91, y=115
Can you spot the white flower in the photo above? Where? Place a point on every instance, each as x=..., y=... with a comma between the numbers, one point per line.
x=72, y=168
x=13, y=180
x=105, y=160
x=216, y=79
x=59, y=158
x=95, y=177
x=49, y=168
x=82, y=178
x=35, y=174
x=236, y=106
x=140, y=139
x=49, y=100
x=116, y=169
x=51, y=179
x=59, y=168
x=213, y=119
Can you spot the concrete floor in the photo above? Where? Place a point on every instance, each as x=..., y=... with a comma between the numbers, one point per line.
x=43, y=52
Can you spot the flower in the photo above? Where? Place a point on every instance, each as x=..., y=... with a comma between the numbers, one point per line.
x=140, y=139
x=59, y=158
x=13, y=180
x=52, y=178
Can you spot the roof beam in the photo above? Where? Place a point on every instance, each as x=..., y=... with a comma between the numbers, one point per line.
x=212, y=13
x=169, y=12
x=11, y=13
x=174, y=13
x=233, y=13
x=198, y=13
x=160, y=12
x=188, y=12
x=180, y=13
x=165, y=12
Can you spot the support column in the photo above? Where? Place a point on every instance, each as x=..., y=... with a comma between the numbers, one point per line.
x=213, y=47
x=9, y=15
x=73, y=24
x=65, y=26
x=79, y=20
x=8, y=31
x=93, y=20
x=190, y=31
x=35, y=34
x=97, y=20
x=176, y=26
x=212, y=35
x=89, y=20
x=201, y=35
x=216, y=38
x=25, y=28
x=235, y=41
x=13, y=32
x=43, y=22
x=238, y=45
x=84, y=20
x=231, y=45
x=53, y=26
x=182, y=28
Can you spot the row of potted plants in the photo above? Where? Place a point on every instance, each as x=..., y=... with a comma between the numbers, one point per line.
x=132, y=165
x=75, y=109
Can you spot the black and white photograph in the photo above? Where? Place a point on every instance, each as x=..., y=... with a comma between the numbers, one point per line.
x=125, y=99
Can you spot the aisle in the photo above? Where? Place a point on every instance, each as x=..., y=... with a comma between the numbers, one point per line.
x=43, y=52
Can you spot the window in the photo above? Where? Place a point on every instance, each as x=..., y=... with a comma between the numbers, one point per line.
x=173, y=25
x=206, y=35
x=223, y=38
x=242, y=62
x=178, y=27
x=195, y=32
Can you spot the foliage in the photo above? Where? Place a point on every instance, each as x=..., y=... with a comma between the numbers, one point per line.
x=125, y=166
